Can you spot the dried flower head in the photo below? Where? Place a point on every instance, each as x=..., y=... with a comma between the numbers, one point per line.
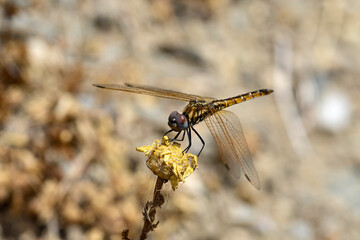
x=167, y=160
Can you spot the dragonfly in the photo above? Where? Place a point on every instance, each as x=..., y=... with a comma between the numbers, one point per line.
x=225, y=126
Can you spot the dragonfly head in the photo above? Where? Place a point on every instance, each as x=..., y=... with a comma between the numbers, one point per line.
x=178, y=121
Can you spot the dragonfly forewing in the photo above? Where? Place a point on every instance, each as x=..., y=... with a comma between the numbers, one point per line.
x=148, y=90
x=226, y=130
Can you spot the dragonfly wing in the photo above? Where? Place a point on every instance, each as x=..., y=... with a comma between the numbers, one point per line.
x=152, y=91
x=226, y=129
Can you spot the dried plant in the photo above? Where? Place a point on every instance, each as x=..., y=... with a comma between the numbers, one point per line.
x=169, y=163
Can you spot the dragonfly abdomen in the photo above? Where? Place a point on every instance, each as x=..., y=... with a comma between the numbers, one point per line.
x=224, y=103
x=197, y=111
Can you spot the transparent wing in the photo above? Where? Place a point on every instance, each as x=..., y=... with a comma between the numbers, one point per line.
x=152, y=91
x=226, y=129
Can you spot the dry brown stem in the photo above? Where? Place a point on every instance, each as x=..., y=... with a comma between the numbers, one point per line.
x=150, y=211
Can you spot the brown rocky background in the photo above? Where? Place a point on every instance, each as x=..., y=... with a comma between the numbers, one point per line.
x=68, y=165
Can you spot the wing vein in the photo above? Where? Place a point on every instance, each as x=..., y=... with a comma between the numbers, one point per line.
x=226, y=129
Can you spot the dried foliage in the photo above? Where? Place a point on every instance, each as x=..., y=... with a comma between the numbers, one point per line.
x=68, y=165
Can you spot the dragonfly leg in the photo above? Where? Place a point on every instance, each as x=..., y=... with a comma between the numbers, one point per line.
x=202, y=140
x=182, y=138
x=189, y=137
x=168, y=132
x=176, y=136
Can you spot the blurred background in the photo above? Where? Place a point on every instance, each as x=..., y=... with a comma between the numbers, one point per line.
x=68, y=165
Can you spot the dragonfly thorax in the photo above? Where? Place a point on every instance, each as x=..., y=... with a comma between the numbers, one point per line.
x=178, y=121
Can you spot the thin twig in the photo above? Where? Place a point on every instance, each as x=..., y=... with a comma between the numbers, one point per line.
x=150, y=209
x=149, y=212
x=125, y=234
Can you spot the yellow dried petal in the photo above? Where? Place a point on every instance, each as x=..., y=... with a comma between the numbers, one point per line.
x=166, y=160
x=144, y=149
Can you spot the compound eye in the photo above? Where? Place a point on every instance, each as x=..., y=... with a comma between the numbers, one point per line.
x=178, y=121
x=182, y=122
x=173, y=117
